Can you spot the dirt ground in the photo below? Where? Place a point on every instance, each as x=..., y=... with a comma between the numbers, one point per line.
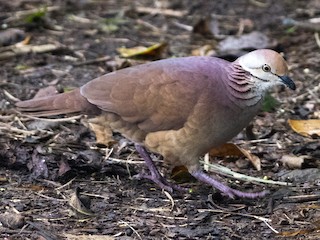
x=57, y=183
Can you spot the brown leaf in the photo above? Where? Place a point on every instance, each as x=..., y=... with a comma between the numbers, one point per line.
x=298, y=232
x=206, y=50
x=307, y=128
x=292, y=161
x=231, y=150
x=180, y=174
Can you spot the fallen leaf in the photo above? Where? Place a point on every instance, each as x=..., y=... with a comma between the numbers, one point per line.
x=38, y=166
x=80, y=204
x=64, y=167
x=253, y=40
x=299, y=232
x=300, y=175
x=11, y=36
x=206, y=50
x=47, y=91
x=207, y=27
x=292, y=161
x=181, y=175
x=87, y=237
x=231, y=150
x=154, y=51
x=12, y=220
x=307, y=128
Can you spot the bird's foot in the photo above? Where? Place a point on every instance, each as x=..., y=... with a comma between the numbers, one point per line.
x=226, y=190
x=154, y=175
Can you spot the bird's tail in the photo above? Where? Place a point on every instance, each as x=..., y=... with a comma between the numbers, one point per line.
x=63, y=103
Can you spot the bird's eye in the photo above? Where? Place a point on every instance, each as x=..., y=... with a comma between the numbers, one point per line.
x=266, y=68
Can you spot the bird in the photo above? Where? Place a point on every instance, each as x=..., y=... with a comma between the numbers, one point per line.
x=179, y=108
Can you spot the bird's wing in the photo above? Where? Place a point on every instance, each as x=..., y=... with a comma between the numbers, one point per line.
x=156, y=96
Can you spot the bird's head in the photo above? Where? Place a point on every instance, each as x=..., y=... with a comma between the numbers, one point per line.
x=267, y=68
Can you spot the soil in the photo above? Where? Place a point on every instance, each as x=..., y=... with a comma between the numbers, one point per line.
x=57, y=183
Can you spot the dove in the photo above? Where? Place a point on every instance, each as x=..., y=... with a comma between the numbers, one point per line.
x=179, y=108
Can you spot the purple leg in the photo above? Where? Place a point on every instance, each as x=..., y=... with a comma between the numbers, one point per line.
x=155, y=176
x=230, y=192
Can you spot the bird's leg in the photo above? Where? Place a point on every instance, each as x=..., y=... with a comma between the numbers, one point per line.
x=154, y=175
x=230, y=192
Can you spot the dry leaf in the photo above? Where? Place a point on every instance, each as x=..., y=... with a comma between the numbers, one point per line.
x=231, y=150
x=292, y=161
x=12, y=220
x=299, y=232
x=87, y=237
x=207, y=27
x=206, y=50
x=45, y=92
x=154, y=51
x=11, y=36
x=307, y=128
x=103, y=133
x=253, y=40
x=80, y=204
x=181, y=174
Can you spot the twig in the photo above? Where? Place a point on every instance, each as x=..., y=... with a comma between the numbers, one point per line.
x=93, y=61
x=14, y=50
x=95, y=195
x=50, y=198
x=168, y=195
x=5, y=126
x=21, y=14
x=66, y=119
x=166, y=12
x=236, y=213
x=117, y=160
x=183, y=26
x=65, y=185
x=316, y=36
x=228, y=172
x=302, y=198
x=131, y=228
x=260, y=3
x=302, y=24
x=10, y=96
x=135, y=231
x=148, y=25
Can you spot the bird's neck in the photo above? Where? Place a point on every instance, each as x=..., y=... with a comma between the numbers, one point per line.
x=242, y=89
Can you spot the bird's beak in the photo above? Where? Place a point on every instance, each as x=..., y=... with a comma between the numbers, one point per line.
x=288, y=82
